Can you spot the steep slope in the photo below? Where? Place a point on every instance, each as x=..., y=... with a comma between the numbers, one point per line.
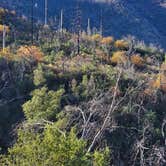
x=144, y=19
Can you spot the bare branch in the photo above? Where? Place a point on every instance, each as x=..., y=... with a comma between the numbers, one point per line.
x=111, y=110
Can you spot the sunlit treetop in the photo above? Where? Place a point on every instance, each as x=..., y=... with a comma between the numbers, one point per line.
x=2, y=27
x=96, y=37
x=30, y=52
x=121, y=44
x=107, y=40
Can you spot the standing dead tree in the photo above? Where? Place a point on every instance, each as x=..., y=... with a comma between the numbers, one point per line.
x=89, y=27
x=107, y=118
x=32, y=21
x=145, y=153
x=98, y=113
x=46, y=14
x=4, y=38
x=140, y=147
x=78, y=27
x=163, y=130
x=101, y=23
x=61, y=21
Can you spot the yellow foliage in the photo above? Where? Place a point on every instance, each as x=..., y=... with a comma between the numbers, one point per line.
x=119, y=57
x=137, y=60
x=160, y=82
x=96, y=37
x=6, y=53
x=157, y=83
x=121, y=44
x=107, y=40
x=30, y=52
x=2, y=28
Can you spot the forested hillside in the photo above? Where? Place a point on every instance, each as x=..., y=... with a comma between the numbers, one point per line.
x=144, y=19
x=74, y=99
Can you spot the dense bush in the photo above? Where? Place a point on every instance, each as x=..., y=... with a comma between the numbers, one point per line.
x=107, y=40
x=110, y=102
x=121, y=44
x=53, y=147
x=118, y=57
x=31, y=52
x=44, y=104
x=137, y=60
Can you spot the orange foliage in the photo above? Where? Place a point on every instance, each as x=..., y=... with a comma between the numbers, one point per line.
x=119, y=57
x=107, y=40
x=152, y=86
x=2, y=28
x=96, y=37
x=160, y=82
x=30, y=52
x=156, y=83
x=121, y=44
x=137, y=60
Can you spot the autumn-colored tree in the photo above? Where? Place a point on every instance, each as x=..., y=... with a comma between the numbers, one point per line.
x=157, y=83
x=96, y=37
x=30, y=52
x=119, y=57
x=121, y=44
x=107, y=43
x=137, y=60
x=2, y=27
x=6, y=53
x=160, y=81
x=107, y=40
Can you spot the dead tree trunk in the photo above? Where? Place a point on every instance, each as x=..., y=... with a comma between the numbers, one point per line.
x=106, y=120
x=46, y=13
x=4, y=38
x=61, y=22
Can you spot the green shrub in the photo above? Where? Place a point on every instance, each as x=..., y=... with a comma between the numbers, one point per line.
x=52, y=148
x=44, y=104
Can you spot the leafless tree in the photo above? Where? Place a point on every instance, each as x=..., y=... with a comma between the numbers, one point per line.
x=107, y=118
x=4, y=37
